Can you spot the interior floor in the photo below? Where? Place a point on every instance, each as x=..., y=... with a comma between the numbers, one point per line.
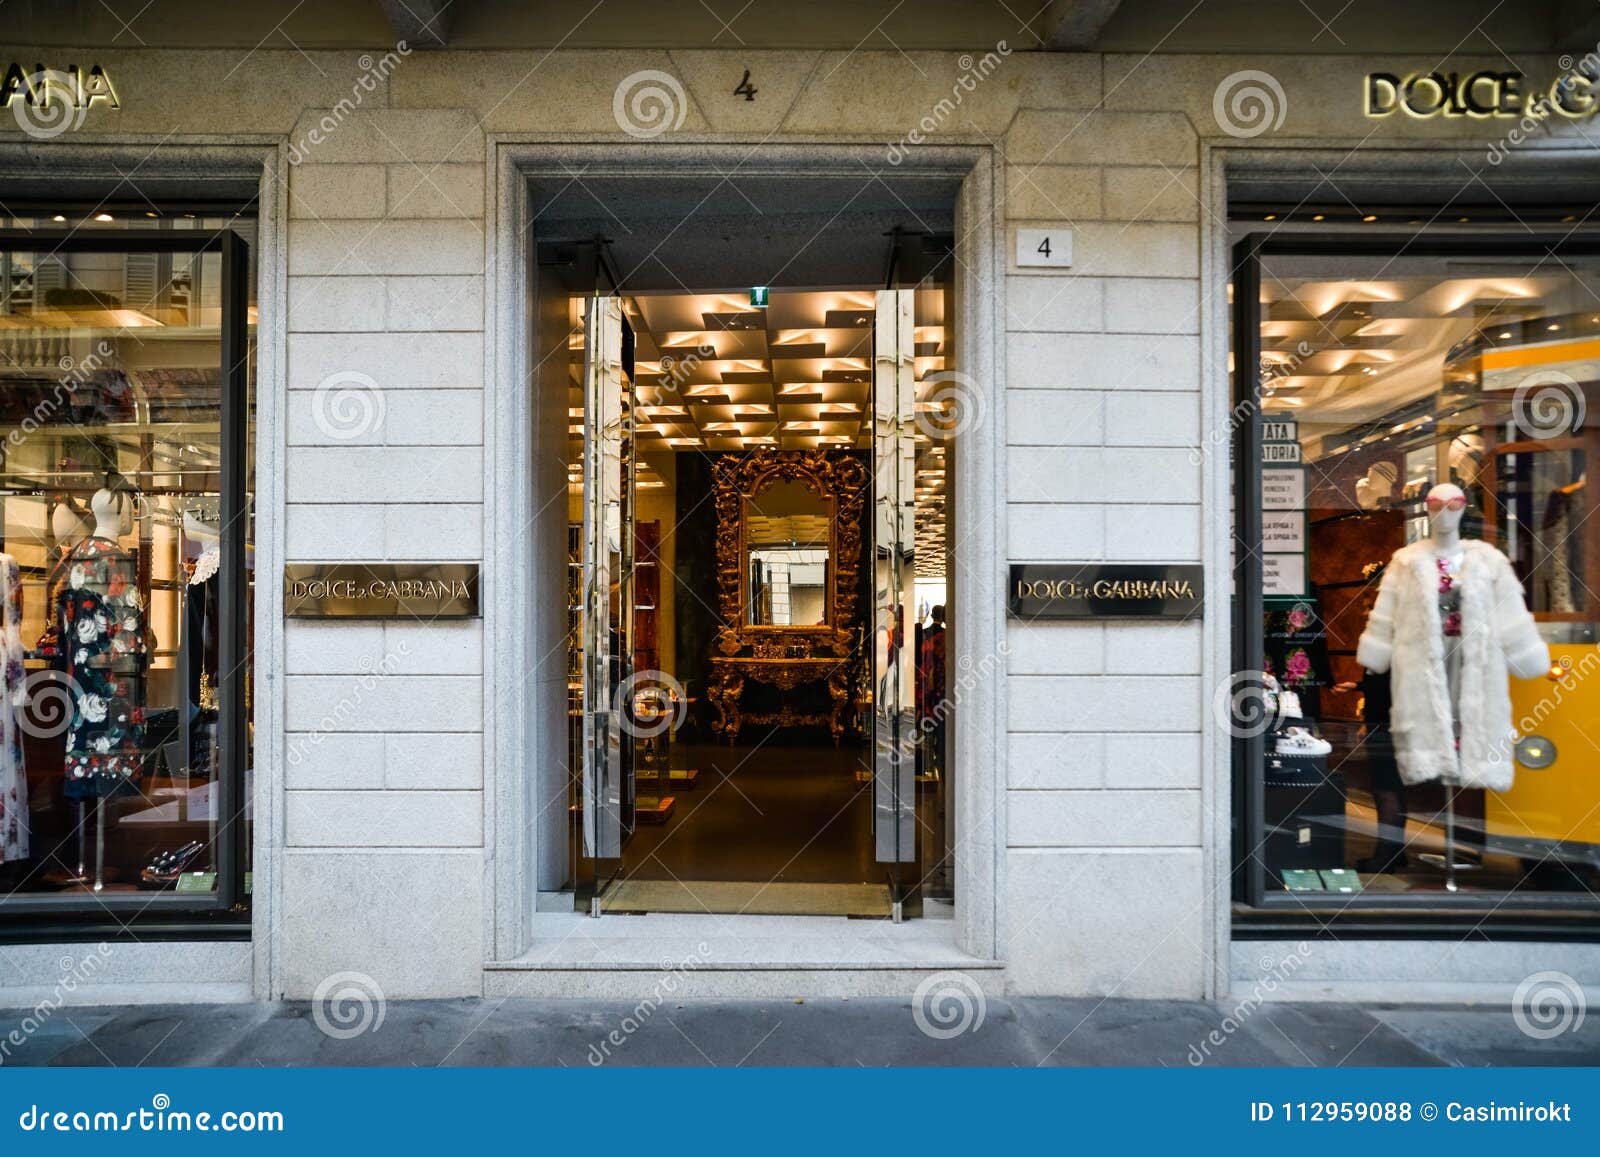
x=747, y=898
x=764, y=812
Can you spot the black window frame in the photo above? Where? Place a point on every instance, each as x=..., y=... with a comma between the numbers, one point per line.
x=1513, y=914
x=27, y=917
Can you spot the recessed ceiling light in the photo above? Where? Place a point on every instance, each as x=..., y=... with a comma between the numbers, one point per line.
x=1317, y=217
x=102, y=216
x=1369, y=217
x=1504, y=335
x=151, y=213
x=1552, y=327
x=1463, y=220
x=1270, y=217
x=58, y=217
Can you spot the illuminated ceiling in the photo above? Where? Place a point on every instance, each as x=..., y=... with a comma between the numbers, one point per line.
x=714, y=373
x=1346, y=352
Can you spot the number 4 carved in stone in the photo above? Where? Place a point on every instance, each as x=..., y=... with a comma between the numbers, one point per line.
x=744, y=88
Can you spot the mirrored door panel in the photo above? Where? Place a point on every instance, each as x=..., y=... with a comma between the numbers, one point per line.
x=894, y=573
x=606, y=568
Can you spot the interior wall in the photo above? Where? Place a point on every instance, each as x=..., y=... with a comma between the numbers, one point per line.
x=694, y=581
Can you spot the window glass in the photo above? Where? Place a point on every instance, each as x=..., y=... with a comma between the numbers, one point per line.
x=110, y=528
x=1444, y=753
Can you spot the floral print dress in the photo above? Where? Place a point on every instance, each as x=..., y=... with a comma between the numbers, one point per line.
x=13, y=776
x=102, y=630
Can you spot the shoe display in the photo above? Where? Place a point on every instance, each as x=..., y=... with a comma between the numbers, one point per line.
x=1288, y=705
x=1299, y=741
x=164, y=868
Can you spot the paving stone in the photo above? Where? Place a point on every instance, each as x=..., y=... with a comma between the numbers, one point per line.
x=1492, y=1037
x=1339, y=1035
x=1169, y=1034
x=1024, y=1032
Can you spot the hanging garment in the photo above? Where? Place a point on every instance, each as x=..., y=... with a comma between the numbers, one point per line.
x=13, y=693
x=1405, y=635
x=102, y=629
x=200, y=641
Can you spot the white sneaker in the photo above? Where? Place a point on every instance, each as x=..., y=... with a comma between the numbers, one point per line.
x=1288, y=705
x=1299, y=741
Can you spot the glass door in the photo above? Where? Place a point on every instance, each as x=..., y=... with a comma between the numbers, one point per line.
x=606, y=748
x=893, y=537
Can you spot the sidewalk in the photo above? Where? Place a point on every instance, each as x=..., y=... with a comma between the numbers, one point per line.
x=1014, y=1031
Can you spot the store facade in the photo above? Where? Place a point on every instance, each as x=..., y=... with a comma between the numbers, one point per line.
x=360, y=253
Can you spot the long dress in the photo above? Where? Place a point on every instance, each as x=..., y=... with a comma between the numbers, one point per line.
x=13, y=775
x=102, y=629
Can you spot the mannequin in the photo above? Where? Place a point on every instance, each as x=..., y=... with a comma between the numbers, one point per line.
x=66, y=522
x=1451, y=622
x=102, y=631
x=1376, y=487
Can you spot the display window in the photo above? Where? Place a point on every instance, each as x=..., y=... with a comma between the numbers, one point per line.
x=1416, y=704
x=125, y=529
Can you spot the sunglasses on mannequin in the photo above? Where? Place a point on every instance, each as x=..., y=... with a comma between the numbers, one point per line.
x=1437, y=504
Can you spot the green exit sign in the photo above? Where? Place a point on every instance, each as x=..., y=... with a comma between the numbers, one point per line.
x=758, y=296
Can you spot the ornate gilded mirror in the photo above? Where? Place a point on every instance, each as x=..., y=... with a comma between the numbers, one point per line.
x=787, y=531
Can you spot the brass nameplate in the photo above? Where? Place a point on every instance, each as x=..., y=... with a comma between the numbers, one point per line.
x=361, y=590
x=1105, y=591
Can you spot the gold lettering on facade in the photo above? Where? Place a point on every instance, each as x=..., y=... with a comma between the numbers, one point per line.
x=1105, y=589
x=372, y=590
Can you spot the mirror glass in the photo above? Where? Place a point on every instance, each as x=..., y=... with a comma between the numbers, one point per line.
x=787, y=535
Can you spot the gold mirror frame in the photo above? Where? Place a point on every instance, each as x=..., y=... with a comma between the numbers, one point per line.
x=839, y=479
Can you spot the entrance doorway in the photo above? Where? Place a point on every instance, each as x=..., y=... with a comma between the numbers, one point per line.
x=756, y=597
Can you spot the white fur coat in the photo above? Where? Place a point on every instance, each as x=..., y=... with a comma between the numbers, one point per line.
x=1406, y=637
